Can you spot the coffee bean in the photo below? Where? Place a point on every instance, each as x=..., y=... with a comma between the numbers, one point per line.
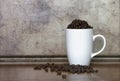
x=64, y=76
x=79, y=24
x=44, y=66
x=96, y=71
x=46, y=70
x=37, y=68
x=52, y=64
x=47, y=65
x=59, y=73
x=51, y=69
x=59, y=68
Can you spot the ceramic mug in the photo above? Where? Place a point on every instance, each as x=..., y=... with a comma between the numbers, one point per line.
x=79, y=43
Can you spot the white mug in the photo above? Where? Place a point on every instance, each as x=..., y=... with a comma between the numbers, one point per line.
x=79, y=43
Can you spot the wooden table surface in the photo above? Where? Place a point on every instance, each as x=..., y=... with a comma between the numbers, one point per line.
x=106, y=72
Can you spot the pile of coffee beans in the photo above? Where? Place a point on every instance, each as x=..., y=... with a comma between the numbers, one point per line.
x=79, y=24
x=60, y=68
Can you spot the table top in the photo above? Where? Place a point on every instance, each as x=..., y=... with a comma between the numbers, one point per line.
x=106, y=72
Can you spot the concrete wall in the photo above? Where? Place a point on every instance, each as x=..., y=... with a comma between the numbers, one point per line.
x=37, y=27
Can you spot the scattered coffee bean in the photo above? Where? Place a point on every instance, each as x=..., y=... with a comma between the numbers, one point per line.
x=51, y=69
x=96, y=71
x=59, y=68
x=58, y=73
x=37, y=68
x=48, y=65
x=64, y=76
x=46, y=70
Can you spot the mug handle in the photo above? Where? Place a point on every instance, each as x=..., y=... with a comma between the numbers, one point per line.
x=104, y=44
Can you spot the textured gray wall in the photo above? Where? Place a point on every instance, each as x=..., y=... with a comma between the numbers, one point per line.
x=37, y=27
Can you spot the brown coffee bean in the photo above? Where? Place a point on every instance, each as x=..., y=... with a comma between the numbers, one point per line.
x=59, y=73
x=48, y=65
x=59, y=68
x=79, y=24
x=51, y=69
x=64, y=76
x=96, y=71
x=46, y=70
x=37, y=68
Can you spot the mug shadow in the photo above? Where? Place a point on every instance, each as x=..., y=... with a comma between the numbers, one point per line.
x=84, y=77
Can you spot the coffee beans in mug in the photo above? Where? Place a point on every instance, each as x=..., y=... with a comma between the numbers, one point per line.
x=79, y=24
